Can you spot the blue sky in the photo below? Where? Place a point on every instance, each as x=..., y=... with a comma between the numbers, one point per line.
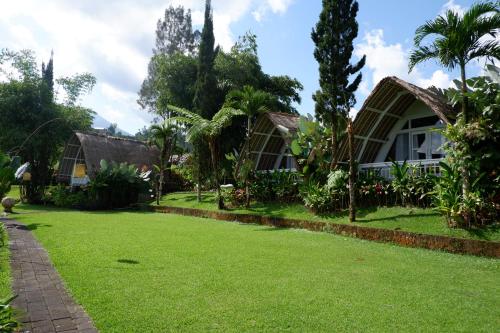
x=113, y=40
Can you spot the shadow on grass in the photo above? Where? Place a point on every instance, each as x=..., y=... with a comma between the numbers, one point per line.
x=271, y=229
x=35, y=226
x=127, y=261
x=396, y=217
x=485, y=232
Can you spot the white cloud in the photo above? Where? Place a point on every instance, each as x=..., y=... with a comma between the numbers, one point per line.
x=451, y=5
x=384, y=59
x=273, y=6
x=438, y=79
x=111, y=39
x=279, y=6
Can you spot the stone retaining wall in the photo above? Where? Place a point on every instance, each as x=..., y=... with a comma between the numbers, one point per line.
x=403, y=238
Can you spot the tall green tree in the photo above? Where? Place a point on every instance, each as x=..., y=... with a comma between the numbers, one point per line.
x=205, y=103
x=458, y=40
x=333, y=37
x=174, y=33
x=209, y=130
x=34, y=125
x=205, y=96
x=174, y=36
x=250, y=102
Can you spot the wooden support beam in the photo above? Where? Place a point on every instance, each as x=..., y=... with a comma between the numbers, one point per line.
x=380, y=112
x=369, y=139
x=377, y=122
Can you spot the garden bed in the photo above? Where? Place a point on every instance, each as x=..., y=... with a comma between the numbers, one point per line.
x=405, y=226
x=417, y=220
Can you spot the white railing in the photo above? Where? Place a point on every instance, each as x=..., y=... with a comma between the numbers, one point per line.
x=79, y=181
x=419, y=166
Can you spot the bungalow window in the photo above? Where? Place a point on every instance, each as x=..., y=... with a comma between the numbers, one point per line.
x=416, y=140
x=287, y=161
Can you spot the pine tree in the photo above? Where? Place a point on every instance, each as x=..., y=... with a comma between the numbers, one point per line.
x=333, y=36
x=205, y=101
x=48, y=76
x=174, y=34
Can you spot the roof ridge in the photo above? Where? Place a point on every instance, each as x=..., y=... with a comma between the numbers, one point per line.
x=111, y=137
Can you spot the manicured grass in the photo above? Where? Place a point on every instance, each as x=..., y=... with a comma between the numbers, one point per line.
x=426, y=221
x=5, y=277
x=147, y=272
x=14, y=192
x=5, y=280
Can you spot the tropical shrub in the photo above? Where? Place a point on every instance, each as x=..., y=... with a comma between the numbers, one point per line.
x=117, y=185
x=448, y=198
x=311, y=149
x=338, y=188
x=62, y=196
x=401, y=181
x=8, y=323
x=114, y=186
x=476, y=150
x=316, y=197
x=281, y=186
x=233, y=197
x=374, y=190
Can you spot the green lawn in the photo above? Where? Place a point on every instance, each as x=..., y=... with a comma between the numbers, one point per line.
x=426, y=221
x=148, y=272
x=5, y=278
x=5, y=290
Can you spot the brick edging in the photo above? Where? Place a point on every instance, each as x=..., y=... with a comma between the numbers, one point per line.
x=403, y=238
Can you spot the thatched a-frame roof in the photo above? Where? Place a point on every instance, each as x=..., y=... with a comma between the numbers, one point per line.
x=90, y=149
x=271, y=136
x=382, y=109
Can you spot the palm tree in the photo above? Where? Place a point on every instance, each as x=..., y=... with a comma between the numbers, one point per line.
x=163, y=136
x=459, y=39
x=208, y=130
x=250, y=102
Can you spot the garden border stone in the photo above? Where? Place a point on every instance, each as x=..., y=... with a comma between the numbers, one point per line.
x=403, y=238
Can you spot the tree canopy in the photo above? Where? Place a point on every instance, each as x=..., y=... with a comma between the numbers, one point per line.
x=34, y=123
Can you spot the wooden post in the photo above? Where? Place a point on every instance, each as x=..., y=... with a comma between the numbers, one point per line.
x=352, y=172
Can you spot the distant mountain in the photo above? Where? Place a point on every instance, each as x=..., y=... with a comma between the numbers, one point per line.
x=100, y=122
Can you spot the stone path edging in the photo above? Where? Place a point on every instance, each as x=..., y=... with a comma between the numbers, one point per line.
x=43, y=301
x=403, y=238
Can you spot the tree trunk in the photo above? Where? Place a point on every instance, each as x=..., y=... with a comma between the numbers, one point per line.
x=159, y=188
x=333, y=164
x=465, y=169
x=198, y=186
x=213, y=152
x=352, y=173
x=247, y=159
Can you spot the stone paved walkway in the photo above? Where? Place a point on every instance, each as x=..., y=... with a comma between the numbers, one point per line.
x=43, y=301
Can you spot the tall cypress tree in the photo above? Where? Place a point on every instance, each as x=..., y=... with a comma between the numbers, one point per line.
x=205, y=97
x=333, y=36
x=205, y=102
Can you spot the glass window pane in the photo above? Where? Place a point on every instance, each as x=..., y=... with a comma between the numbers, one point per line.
x=402, y=147
x=419, y=144
x=424, y=122
x=437, y=141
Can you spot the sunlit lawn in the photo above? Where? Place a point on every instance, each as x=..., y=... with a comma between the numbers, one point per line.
x=148, y=272
x=5, y=281
x=419, y=220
